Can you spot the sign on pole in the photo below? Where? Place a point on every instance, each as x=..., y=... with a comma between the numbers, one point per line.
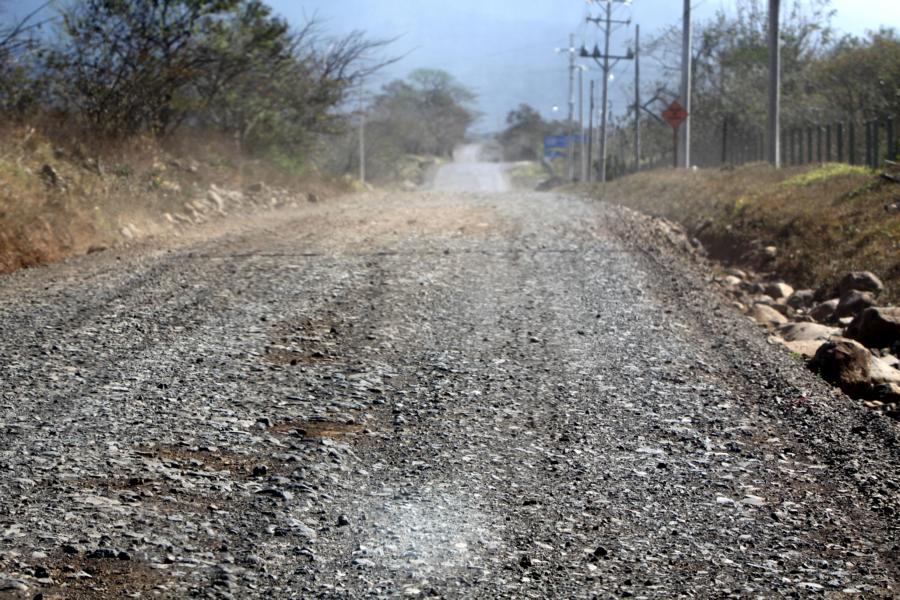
x=557, y=146
x=675, y=115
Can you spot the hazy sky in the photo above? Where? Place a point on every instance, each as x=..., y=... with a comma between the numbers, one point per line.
x=505, y=49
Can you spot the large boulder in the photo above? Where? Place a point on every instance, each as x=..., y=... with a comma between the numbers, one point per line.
x=876, y=327
x=861, y=281
x=849, y=365
x=853, y=303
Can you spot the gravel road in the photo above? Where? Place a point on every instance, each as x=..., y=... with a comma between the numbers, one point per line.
x=450, y=393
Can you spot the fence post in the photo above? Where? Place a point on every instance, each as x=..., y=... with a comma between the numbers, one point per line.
x=809, y=145
x=891, y=141
x=819, y=144
x=790, y=146
x=851, y=142
x=839, y=131
x=828, y=143
x=869, y=144
x=725, y=142
x=876, y=150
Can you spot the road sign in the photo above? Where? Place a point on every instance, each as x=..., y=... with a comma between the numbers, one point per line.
x=675, y=114
x=556, y=146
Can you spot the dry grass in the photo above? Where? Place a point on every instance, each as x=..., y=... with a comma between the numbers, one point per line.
x=102, y=186
x=824, y=220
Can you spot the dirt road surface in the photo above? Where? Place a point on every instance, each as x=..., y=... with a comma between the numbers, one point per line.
x=459, y=393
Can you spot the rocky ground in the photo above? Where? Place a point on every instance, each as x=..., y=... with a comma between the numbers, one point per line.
x=849, y=337
x=433, y=394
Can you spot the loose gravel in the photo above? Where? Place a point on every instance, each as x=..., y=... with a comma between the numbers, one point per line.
x=430, y=394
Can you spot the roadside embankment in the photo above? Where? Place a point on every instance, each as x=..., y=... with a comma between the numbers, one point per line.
x=61, y=200
x=806, y=225
x=797, y=249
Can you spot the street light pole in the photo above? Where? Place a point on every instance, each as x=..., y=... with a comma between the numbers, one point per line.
x=774, y=83
x=637, y=97
x=686, y=67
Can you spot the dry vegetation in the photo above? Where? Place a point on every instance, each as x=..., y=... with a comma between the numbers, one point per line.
x=59, y=199
x=824, y=220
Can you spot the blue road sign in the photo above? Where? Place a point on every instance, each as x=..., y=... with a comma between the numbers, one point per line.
x=557, y=146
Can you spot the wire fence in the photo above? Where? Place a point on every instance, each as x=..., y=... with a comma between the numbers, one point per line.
x=866, y=143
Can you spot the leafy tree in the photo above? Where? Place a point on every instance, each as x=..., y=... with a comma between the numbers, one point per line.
x=19, y=87
x=426, y=114
x=123, y=63
x=524, y=136
x=861, y=75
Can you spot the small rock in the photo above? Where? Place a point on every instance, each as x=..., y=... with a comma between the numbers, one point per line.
x=806, y=348
x=50, y=176
x=276, y=493
x=13, y=585
x=343, y=521
x=767, y=316
x=805, y=332
x=801, y=299
x=779, y=290
x=363, y=563
x=824, y=311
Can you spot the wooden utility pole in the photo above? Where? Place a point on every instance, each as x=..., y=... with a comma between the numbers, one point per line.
x=604, y=102
x=686, y=68
x=603, y=59
x=637, y=97
x=774, y=83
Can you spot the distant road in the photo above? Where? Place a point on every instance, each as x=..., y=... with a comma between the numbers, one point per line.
x=469, y=173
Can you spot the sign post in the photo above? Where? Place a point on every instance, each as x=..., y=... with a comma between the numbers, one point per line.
x=675, y=115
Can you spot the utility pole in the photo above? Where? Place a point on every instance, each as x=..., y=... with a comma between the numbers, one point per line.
x=362, y=141
x=590, y=152
x=605, y=57
x=637, y=97
x=570, y=145
x=686, y=68
x=581, y=153
x=603, y=104
x=774, y=83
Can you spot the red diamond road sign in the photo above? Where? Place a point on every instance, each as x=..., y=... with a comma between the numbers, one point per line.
x=675, y=114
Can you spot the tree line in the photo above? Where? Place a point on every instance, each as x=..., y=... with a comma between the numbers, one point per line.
x=827, y=77
x=121, y=68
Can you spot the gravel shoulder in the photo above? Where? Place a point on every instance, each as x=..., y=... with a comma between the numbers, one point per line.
x=446, y=393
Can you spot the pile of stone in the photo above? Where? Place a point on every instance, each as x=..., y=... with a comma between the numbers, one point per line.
x=841, y=329
x=219, y=202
